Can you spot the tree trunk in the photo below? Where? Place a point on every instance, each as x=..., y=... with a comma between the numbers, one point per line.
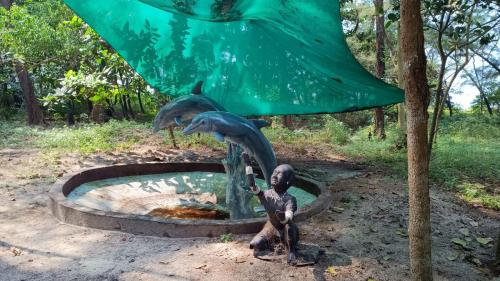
x=7, y=4
x=96, y=115
x=172, y=136
x=450, y=107
x=378, y=113
x=482, y=97
x=90, y=106
x=417, y=98
x=35, y=114
x=401, y=83
x=4, y=96
x=497, y=254
x=287, y=121
x=71, y=113
x=140, y=99
x=123, y=104
x=129, y=106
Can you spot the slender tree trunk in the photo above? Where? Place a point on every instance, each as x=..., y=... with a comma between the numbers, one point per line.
x=140, y=99
x=172, y=136
x=450, y=107
x=71, y=113
x=497, y=256
x=129, y=105
x=4, y=95
x=35, y=114
x=378, y=113
x=401, y=106
x=287, y=121
x=123, y=104
x=482, y=97
x=90, y=106
x=96, y=113
x=417, y=98
x=7, y=4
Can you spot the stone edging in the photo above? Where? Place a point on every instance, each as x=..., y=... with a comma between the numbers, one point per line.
x=69, y=212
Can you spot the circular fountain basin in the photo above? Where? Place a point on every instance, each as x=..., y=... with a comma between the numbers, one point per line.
x=165, y=199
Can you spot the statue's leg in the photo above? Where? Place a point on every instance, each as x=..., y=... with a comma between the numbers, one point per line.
x=291, y=240
x=262, y=240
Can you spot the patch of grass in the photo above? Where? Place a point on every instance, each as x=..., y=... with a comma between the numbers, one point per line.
x=476, y=193
x=464, y=158
x=226, y=238
x=85, y=138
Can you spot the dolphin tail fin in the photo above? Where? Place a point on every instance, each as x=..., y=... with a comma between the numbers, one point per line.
x=259, y=123
x=197, y=88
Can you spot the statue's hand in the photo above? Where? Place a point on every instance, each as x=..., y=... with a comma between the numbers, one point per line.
x=280, y=215
x=246, y=159
x=254, y=188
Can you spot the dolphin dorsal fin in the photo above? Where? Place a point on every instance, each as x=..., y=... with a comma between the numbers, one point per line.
x=197, y=88
x=260, y=123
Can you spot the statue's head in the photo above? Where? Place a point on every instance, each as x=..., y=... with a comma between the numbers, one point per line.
x=282, y=178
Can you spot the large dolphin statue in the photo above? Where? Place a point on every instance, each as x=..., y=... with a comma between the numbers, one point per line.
x=184, y=108
x=232, y=128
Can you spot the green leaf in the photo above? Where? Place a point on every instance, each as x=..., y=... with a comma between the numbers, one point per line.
x=401, y=232
x=484, y=241
x=459, y=241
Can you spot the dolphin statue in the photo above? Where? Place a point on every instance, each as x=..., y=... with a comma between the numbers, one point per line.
x=232, y=128
x=184, y=108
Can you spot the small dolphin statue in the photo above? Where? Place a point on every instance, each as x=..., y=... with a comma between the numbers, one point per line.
x=184, y=108
x=232, y=128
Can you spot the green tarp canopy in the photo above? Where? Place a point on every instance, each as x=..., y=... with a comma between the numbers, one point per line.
x=256, y=57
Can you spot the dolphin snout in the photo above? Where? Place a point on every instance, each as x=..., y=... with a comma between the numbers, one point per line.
x=156, y=128
x=189, y=129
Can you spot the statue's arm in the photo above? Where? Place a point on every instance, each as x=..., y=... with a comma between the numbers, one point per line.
x=290, y=209
x=251, y=179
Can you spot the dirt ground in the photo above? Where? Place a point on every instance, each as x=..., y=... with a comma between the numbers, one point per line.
x=363, y=234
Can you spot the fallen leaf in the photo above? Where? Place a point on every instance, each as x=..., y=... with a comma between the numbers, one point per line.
x=464, y=231
x=401, y=232
x=15, y=251
x=386, y=258
x=484, y=241
x=468, y=239
x=331, y=270
x=452, y=256
x=474, y=223
x=338, y=209
x=459, y=241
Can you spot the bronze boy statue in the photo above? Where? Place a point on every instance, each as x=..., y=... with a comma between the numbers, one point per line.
x=280, y=207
